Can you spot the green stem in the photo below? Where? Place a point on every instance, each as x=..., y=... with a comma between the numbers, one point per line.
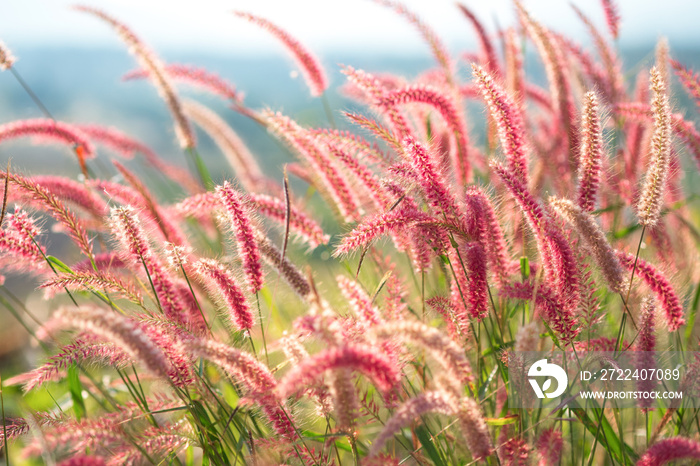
x=31, y=93
x=327, y=109
x=636, y=257
x=4, y=426
x=201, y=168
x=355, y=453
x=262, y=327
x=196, y=301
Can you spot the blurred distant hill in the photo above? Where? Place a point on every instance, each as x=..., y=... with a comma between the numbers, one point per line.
x=84, y=85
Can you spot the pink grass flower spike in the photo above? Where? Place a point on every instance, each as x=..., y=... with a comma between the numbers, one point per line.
x=44, y=130
x=660, y=285
x=6, y=57
x=508, y=120
x=448, y=109
x=612, y=17
x=126, y=227
x=309, y=64
x=652, y=195
x=223, y=281
x=487, y=49
x=667, y=450
x=369, y=361
x=591, y=157
x=243, y=229
x=436, y=45
x=196, y=77
x=549, y=446
x=690, y=80
x=594, y=239
x=156, y=72
x=119, y=330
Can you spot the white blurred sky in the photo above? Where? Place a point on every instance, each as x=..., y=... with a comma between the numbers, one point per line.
x=325, y=25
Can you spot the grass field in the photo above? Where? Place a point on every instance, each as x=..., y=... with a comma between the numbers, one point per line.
x=355, y=280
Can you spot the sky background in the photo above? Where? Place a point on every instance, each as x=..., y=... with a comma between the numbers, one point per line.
x=325, y=25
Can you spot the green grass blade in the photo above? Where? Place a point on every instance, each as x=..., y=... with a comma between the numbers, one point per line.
x=428, y=446
x=76, y=391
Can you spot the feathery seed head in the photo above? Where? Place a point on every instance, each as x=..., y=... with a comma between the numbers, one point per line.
x=19, y=243
x=591, y=157
x=6, y=57
x=429, y=177
x=527, y=338
x=239, y=220
x=359, y=301
x=49, y=202
x=310, y=66
x=75, y=192
x=289, y=272
x=197, y=77
x=670, y=449
x=559, y=82
x=646, y=341
x=488, y=51
x=156, y=72
x=243, y=366
x=244, y=165
x=431, y=38
x=656, y=281
x=474, y=428
x=447, y=107
x=177, y=256
x=220, y=279
x=117, y=329
x=126, y=227
x=612, y=17
x=690, y=80
x=367, y=360
x=377, y=225
x=549, y=446
x=300, y=223
x=445, y=351
x=44, y=130
x=651, y=198
x=645, y=344
x=662, y=59
x=550, y=306
x=508, y=120
x=483, y=224
x=437, y=401
x=594, y=239
x=332, y=181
